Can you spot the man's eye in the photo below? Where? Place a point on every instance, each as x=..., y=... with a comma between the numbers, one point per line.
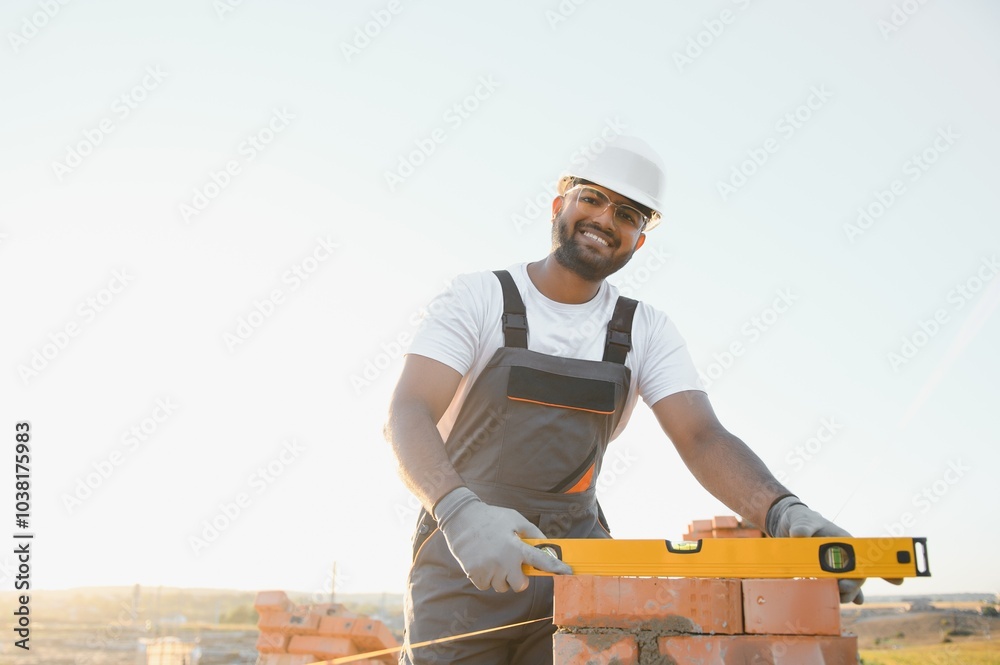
x=628, y=218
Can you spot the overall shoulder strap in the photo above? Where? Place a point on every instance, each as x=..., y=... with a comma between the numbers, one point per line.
x=515, y=317
x=619, y=340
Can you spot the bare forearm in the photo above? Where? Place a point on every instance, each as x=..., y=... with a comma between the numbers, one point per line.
x=423, y=463
x=733, y=473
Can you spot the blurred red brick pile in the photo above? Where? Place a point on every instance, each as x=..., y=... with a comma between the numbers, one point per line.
x=721, y=526
x=301, y=634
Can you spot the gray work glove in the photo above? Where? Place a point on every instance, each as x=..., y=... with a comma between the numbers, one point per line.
x=486, y=542
x=790, y=518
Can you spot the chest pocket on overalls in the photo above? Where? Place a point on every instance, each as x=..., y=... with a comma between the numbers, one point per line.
x=566, y=422
x=561, y=412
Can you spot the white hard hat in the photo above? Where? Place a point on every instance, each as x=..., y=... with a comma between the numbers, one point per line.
x=630, y=167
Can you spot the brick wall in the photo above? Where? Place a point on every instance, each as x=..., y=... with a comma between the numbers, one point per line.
x=700, y=621
x=632, y=621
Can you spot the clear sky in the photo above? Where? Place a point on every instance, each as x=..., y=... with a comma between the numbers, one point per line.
x=219, y=223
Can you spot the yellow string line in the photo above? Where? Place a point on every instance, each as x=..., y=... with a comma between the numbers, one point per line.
x=427, y=643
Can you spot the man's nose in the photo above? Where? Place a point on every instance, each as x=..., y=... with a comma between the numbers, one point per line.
x=606, y=220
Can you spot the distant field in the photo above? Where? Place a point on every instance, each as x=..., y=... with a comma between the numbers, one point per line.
x=966, y=653
x=968, y=605
x=887, y=629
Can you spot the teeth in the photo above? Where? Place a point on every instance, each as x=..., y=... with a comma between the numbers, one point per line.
x=597, y=238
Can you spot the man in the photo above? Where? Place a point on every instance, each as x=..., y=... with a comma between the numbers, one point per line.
x=508, y=398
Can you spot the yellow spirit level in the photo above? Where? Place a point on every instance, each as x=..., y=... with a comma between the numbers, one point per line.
x=741, y=557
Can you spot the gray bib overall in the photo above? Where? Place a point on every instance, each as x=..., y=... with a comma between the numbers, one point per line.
x=530, y=436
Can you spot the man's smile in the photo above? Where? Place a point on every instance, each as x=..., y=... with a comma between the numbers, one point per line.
x=596, y=237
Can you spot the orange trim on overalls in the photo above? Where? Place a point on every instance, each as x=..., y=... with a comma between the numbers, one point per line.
x=561, y=406
x=583, y=484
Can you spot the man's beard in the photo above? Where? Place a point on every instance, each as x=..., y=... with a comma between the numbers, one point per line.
x=587, y=264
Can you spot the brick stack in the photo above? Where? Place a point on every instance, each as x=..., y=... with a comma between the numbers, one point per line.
x=721, y=526
x=632, y=621
x=302, y=634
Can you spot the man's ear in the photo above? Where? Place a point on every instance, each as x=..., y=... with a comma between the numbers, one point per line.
x=557, y=204
x=640, y=241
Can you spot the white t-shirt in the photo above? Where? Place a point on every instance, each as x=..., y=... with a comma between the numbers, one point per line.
x=462, y=329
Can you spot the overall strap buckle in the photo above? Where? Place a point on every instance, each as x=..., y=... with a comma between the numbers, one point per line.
x=515, y=317
x=619, y=340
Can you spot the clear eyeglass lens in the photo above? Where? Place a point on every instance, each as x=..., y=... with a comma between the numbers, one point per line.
x=629, y=215
x=594, y=202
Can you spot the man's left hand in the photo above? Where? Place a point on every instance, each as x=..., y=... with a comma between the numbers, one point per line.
x=790, y=518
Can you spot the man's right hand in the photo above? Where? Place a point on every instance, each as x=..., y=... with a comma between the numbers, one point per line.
x=486, y=542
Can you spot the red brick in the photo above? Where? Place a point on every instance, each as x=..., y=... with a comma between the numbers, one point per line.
x=322, y=647
x=725, y=522
x=288, y=623
x=337, y=626
x=791, y=607
x=594, y=649
x=697, y=535
x=737, y=533
x=287, y=659
x=268, y=642
x=689, y=605
x=371, y=635
x=769, y=650
x=700, y=525
x=271, y=601
x=330, y=610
